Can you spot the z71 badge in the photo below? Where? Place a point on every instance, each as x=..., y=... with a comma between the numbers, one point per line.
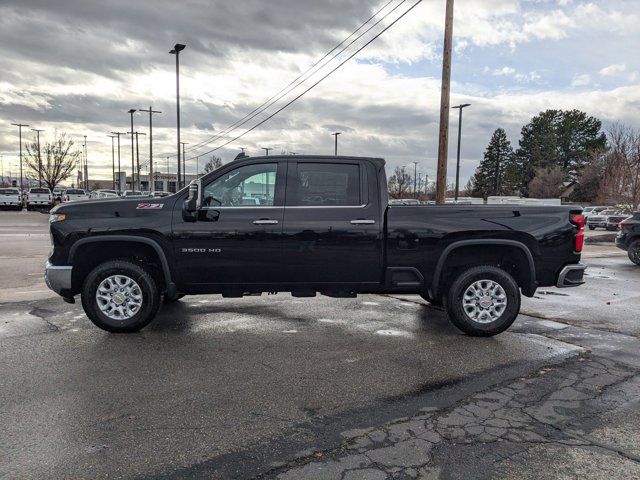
x=149, y=206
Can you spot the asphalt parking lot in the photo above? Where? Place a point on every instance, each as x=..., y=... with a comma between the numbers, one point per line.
x=276, y=387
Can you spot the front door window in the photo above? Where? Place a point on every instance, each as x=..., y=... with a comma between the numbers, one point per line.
x=248, y=186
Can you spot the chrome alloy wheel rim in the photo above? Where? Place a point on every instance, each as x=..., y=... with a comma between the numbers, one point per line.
x=119, y=297
x=484, y=301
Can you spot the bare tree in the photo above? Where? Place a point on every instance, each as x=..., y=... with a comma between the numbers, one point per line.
x=400, y=182
x=213, y=164
x=59, y=159
x=621, y=179
x=547, y=183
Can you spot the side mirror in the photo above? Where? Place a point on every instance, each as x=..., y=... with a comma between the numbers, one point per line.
x=191, y=205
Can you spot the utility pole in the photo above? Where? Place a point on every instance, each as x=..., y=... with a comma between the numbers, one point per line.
x=177, y=48
x=151, y=111
x=443, y=138
x=86, y=165
x=459, y=107
x=136, y=185
x=133, y=167
x=20, y=125
x=117, y=134
x=415, y=179
x=39, y=155
x=335, y=146
x=184, y=166
x=113, y=162
x=267, y=150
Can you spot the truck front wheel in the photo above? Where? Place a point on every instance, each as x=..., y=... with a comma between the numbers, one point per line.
x=483, y=301
x=120, y=297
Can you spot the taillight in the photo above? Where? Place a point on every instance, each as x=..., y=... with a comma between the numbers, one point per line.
x=578, y=221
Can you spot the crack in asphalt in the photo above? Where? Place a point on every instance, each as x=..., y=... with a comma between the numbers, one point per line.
x=541, y=409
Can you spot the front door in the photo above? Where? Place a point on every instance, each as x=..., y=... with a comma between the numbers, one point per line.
x=237, y=237
x=332, y=223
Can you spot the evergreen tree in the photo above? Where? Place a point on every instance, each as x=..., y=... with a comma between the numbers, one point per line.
x=557, y=138
x=493, y=175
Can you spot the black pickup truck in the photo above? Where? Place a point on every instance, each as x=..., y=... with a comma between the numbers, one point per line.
x=307, y=225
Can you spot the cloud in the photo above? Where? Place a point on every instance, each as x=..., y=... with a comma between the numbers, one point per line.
x=581, y=80
x=614, y=69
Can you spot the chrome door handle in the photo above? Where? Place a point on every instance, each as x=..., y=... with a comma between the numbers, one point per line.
x=265, y=222
x=362, y=222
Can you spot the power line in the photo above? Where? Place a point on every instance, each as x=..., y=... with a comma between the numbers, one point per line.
x=316, y=83
x=297, y=81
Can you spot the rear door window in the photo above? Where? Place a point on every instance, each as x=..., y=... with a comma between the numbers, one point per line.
x=326, y=184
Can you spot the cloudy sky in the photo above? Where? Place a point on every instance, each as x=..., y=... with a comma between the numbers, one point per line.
x=77, y=66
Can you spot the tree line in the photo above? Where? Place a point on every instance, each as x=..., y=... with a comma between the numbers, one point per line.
x=563, y=152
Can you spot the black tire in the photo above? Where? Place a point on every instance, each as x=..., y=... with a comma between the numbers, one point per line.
x=455, y=297
x=175, y=298
x=28, y=208
x=634, y=252
x=149, y=291
x=427, y=298
x=591, y=227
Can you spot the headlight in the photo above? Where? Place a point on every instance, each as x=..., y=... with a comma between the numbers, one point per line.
x=57, y=217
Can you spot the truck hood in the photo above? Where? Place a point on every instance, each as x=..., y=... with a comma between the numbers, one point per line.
x=115, y=207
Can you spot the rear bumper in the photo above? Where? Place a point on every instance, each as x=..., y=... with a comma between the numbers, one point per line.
x=571, y=276
x=58, y=278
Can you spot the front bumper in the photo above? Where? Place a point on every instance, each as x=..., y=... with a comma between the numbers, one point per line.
x=58, y=277
x=571, y=275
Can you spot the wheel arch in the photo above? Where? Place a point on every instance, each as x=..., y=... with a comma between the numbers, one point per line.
x=526, y=280
x=119, y=240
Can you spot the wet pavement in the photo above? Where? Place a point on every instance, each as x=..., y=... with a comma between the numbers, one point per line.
x=370, y=388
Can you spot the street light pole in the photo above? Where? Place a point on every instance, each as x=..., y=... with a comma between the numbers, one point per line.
x=415, y=179
x=151, y=111
x=459, y=107
x=267, y=150
x=177, y=48
x=184, y=166
x=20, y=125
x=335, y=148
x=113, y=162
x=133, y=167
x=39, y=155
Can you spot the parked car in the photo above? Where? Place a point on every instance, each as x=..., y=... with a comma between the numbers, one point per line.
x=98, y=194
x=159, y=194
x=39, y=197
x=74, y=194
x=10, y=197
x=336, y=236
x=58, y=195
x=134, y=194
x=599, y=219
x=613, y=221
x=628, y=238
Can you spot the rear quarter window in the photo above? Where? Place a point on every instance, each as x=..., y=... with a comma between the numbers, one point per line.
x=326, y=184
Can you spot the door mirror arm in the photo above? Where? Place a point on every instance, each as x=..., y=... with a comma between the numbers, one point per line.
x=193, y=202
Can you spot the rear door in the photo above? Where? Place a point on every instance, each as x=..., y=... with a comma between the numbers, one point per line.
x=332, y=227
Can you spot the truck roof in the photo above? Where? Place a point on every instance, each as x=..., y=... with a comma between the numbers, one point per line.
x=332, y=158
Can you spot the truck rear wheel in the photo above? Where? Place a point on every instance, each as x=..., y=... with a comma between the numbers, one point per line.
x=634, y=252
x=483, y=301
x=120, y=297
